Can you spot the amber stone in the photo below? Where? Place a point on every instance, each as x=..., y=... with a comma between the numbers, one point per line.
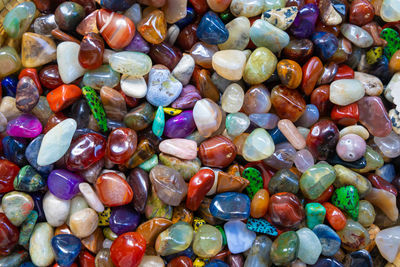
x=181, y=213
x=394, y=63
x=152, y=228
x=288, y=104
x=91, y=51
x=145, y=150
x=50, y=77
x=88, y=24
x=116, y=29
x=322, y=139
x=187, y=37
x=320, y=98
x=312, y=70
x=63, y=37
x=165, y=54
x=231, y=183
x=153, y=27
x=361, y=12
x=285, y=210
x=299, y=50
x=94, y=242
x=290, y=73
x=206, y=86
x=217, y=151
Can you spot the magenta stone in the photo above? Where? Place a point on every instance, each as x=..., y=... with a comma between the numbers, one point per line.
x=351, y=147
x=26, y=125
x=64, y=184
x=180, y=126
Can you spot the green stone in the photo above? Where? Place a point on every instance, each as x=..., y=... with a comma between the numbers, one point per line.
x=221, y=230
x=226, y=16
x=187, y=168
x=27, y=228
x=346, y=198
x=366, y=214
x=149, y=164
x=17, y=206
x=393, y=42
x=156, y=208
x=207, y=241
x=159, y=122
x=283, y=181
x=260, y=65
x=96, y=107
x=255, y=179
x=316, y=179
x=18, y=20
x=374, y=160
x=176, y=238
x=315, y=214
x=285, y=248
x=29, y=180
x=109, y=234
x=345, y=176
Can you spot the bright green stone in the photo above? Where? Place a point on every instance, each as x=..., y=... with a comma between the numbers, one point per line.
x=285, y=248
x=28, y=180
x=96, y=107
x=316, y=179
x=27, y=228
x=346, y=198
x=17, y=21
x=159, y=122
x=149, y=164
x=255, y=179
x=221, y=230
x=315, y=214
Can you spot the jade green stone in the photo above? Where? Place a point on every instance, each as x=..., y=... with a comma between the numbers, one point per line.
x=285, y=248
x=187, y=168
x=316, y=179
x=102, y=76
x=176, y=238
x=96, y=107
x=345, y=176
x=27, y=228
x=221, y=230
x=374, y=160
x=17, y=21
x=315, y=214
x=109, y=234
x=393, y=42
x=149, y=164
x=366, y=213
x=156, y=208
x=255, y=179
x=283, y=181
x=159, y=122
x=29, y=180
x=264, y=34
x=346, y=198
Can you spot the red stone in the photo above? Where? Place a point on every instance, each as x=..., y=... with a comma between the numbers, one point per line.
x=322, y=139
x=86, y=259
x=91, y=51
x=113, y=190
x=361, y=12
x=187, y=37
x=50, y=77
x=181, y=261
x=165, y=54
x=334, y=216
x=128, y=250
x=84, y=151
x=130, y=101
x=116, y=29
x=63, y=96
x=320, y=98
x=53, y=120
x=33, y=74
x=199, y=185
x=217, y=151
x=9, y=235
x=345, y=115
x=121, y=145
x=312, y=70
x=380, y=183
x=344, y=72
x=200, y=6
x=285, y=210
x=8, y=172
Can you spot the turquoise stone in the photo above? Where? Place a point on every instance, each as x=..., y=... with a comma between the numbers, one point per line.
x=27, y=228
x=28, y=180
x=393, y=42
x=264, y=34
x=102, y=76
x=17, y=21
x=149, y=164
x=96, y=107
x=255, y=179
x=347, y=199
x=315, y=214
x=261, y=226
x=159, y=122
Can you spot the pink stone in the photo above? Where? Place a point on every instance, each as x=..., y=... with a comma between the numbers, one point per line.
x=374, y=117
x=26, y=125
x=179, y=147
x=351, y=147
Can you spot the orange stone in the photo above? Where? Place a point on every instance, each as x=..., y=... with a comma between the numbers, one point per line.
x=63, y=96
x=113, y=190
x=153, y=27
x=335, y=216
x=94, y=242
x=259, y=204
x=152, y=228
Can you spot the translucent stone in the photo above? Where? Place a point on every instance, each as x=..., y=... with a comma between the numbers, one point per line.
x=260, y=66
x=388, y=242
x=133, y=86
x=247, y=8
x=184, y=70
x=68, y=64
x=207, y=241
x=237, y=123
x=102, y=76
x=9, y=60
x=259, y=252
x=264, y=34
x=384, y=200
x=346, y=91
x=175, y=10
x=207, y=116
x=229, y=64
x=18, y=20
x=257, y=100
x=258, y=145
x=291, y=133
x=309, y=248
x=357, y=35
x=238, y=237
x=303, y=160
x=264, y=120
x=131, y=63
x=389, y=145
x=232, y=99
x=238, y=34
x=282, y=158
x=390, y=10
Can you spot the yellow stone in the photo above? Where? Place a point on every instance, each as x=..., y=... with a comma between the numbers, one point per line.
x=172, y=111
x=37, y=50
x=260, y=66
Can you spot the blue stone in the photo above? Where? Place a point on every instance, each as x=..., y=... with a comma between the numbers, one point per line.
x=216, y=263
x=387, y=172
x=230, y=206
x=277, y=136
x=31, y=154
x=117, y=5
x=330, y=240
x=309, y=117
x=381, y=70
x=327, y=262
x=212, y=30
x=325, y=44
x=187, y=252
x=38, y=205
x=361, y=258
x=14, y=150
x=27, y=264
x=124, y=219
x=66, y=248
x=190, y=16
x=9, y=85
x=358, y=164
x=261, y=226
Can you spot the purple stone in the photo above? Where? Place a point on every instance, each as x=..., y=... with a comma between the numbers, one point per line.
x=26, y=125
x=138, y=44
x=188, y=97
x=180, y=126
x=124, y=219
x=304, y=23
x=64, y=184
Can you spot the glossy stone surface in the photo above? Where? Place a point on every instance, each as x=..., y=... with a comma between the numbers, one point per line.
x=26, y=125
x=374, y=116
x=113, y=190
x=346, y=198
x=211, y=29
x=322, y=139
x=262, y=33
x=40, y=249
x=238, y=237
x=260, y=66
x=217, y=151
x=230, y=206
x=289, y=104
x=176, y=238
x=128, y=249
x=285, y=210
x=207, y=241
x=284, y=249
x=9, y=234
x=66, y=248
x=307, y=253
x=330, y=241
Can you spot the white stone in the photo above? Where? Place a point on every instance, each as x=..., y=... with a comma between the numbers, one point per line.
x=68, y=63
x=91, y=197
x=184, y=69
x=388, y=242
x=133, y=86
x=40, y=249
x=55, y=209
x=308, y=253
x=346, y=91
x=372, y=84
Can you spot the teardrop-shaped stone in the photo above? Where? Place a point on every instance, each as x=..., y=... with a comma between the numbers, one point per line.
x=37, y=50
x=17, y=206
